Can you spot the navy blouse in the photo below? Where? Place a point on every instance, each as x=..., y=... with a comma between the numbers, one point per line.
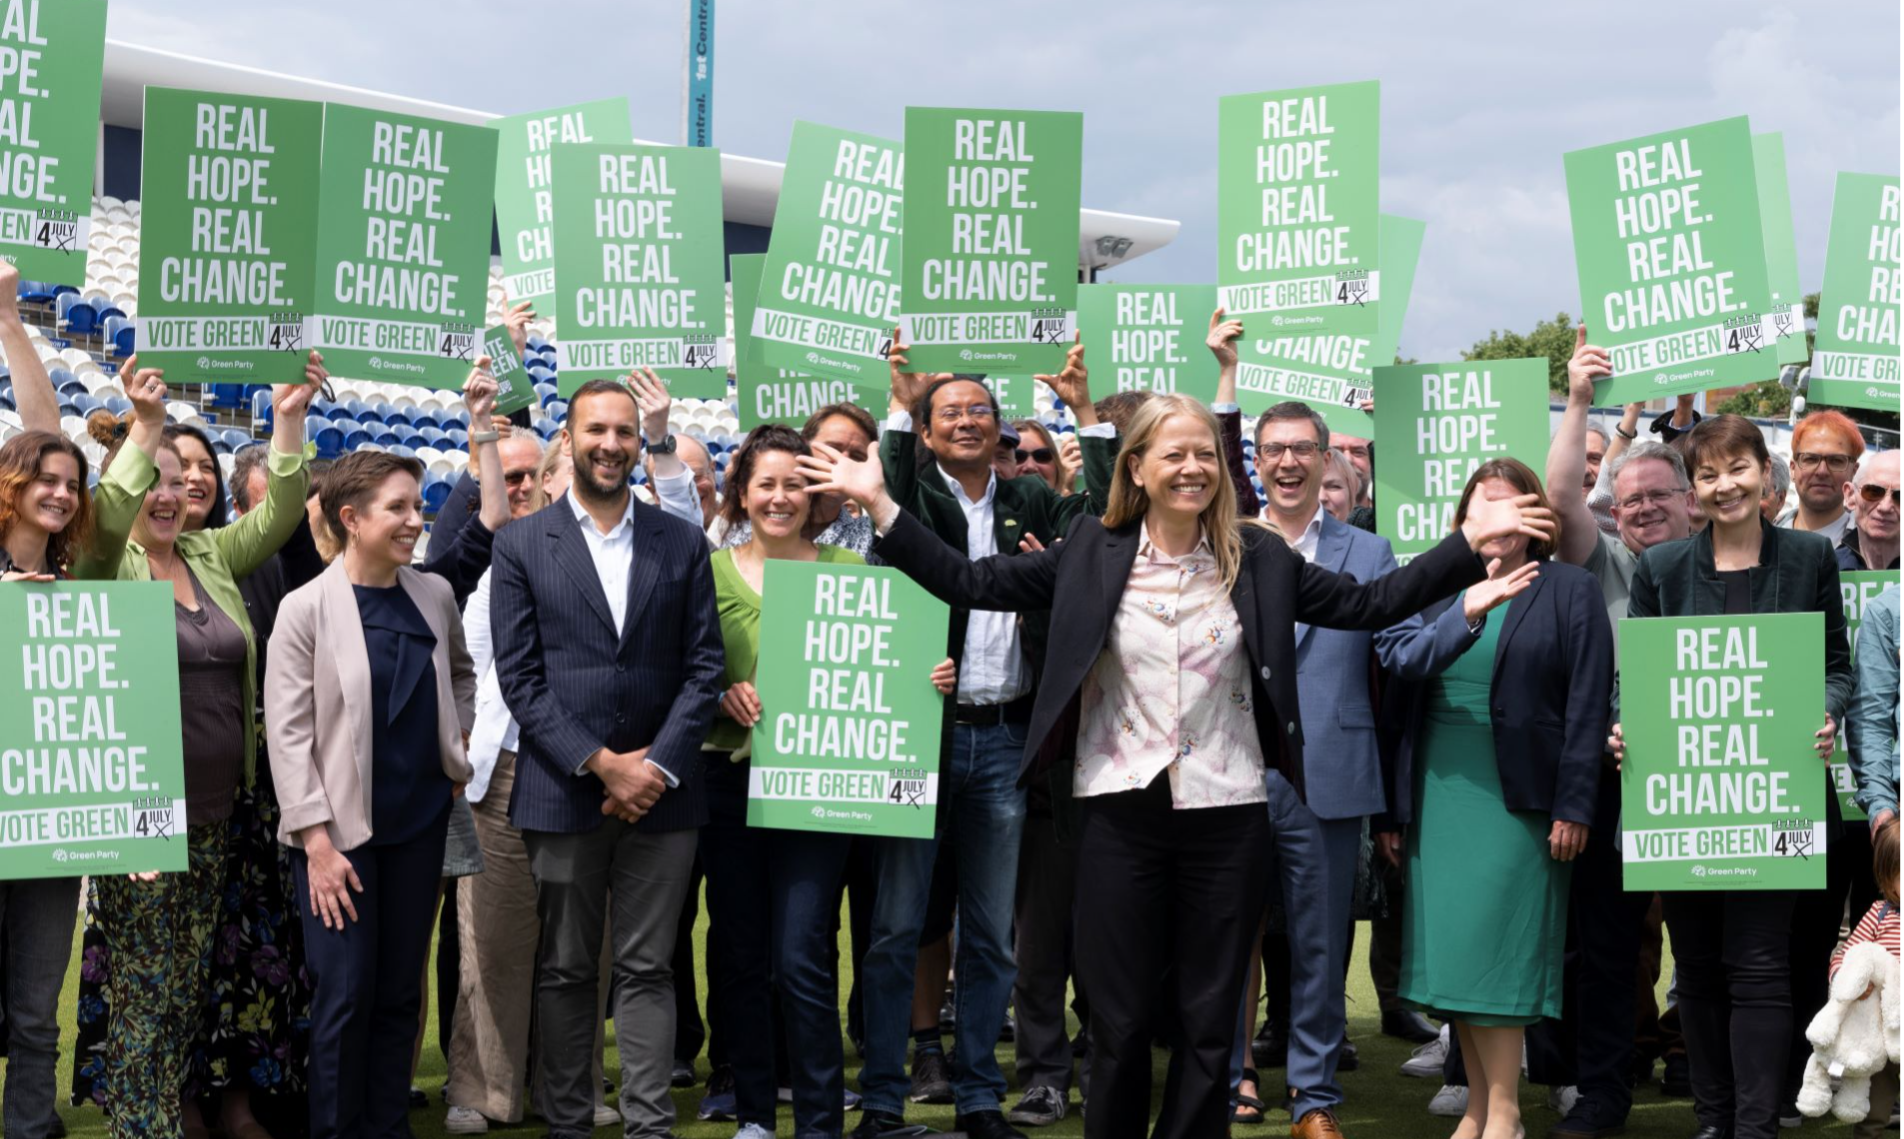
x=408, y=789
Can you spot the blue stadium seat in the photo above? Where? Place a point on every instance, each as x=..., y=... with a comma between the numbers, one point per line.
x=36, y=292
x=459, y=437
x=313, y=423
x=540, y=375
x=403, y=451
x=384, y=437
x=61, y=290
x=123, y=342
x=261, y=408
x=87, y=403
x=547, y=429
x=330, y=443
x=459, y=419
x=357, y=440
x=436, y=492
x=237, y=437
x=118, y=404
x=6, y=400
x=414, y=439
x=67, y=408
x=557, y=409
x=432, y=435
x=110, y=312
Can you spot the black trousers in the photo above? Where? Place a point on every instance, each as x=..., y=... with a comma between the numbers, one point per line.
x=740, y=1004
x=1732, y=951
x=1160, y=888
x=1592, y=1045
x=367, y=986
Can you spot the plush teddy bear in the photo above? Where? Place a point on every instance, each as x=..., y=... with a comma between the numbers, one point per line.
x=1853, y=1030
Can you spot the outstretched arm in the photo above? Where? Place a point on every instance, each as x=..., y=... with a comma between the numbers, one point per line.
x=1567, y=456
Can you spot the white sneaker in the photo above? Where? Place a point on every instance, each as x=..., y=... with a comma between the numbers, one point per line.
x=606, y=1116
x=465, y=1121
x=1562, y=1099
x=1427, y=1060
x=753, y=1131
x=1450, y=1101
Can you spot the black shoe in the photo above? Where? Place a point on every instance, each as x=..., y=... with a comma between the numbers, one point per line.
x=1676, y=1080
x=1409, y=1025
x=1348, y=1059
x=987, y=1125
x=931, y=1078
x=1589, y=1120
x=1713, y=1131
x=418, y=1098
x=881, y=1125
x=1008, y=1031
x=57, y=1129
x=683, y=1075
x=1270, y=1049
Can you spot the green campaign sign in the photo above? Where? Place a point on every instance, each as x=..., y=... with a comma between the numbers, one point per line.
x=228, y=236
x=1437, y=423
x=91, y=765
x=1781, y=247
x=1860, y=588
x=1297, y=205
x=990, y=260
x=638, y=246
x=525, y=203
x=1016, y=395
x=768, y=394
x=829, y=296
x=402, y=246
x=1149, y=338
x=848, y=738
x=1332, y=372
x=1856, y=359
x=52, y=58
x=1720, y=789
x=515, y=389
x=1670, y=251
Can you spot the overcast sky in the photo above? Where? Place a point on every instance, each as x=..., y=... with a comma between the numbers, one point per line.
x=1479, y=100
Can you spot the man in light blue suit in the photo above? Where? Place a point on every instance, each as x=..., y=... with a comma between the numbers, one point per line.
x=1318, y=825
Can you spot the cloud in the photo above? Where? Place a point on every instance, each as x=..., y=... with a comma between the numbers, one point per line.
x=1480, y=97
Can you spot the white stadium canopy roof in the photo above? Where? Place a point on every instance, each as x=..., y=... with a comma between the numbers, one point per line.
x=749, y=186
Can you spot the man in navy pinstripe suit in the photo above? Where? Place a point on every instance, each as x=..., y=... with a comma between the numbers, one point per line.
x=608, y=648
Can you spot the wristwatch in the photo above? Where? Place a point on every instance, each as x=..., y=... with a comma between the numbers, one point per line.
x=664, y=447
x=481, y=437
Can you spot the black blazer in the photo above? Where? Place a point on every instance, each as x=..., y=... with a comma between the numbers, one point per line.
x=1081, y=580
x=574, y=685
x=1797, y=573
x=1550, y=696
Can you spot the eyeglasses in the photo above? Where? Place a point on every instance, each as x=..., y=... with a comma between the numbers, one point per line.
x=1873, y=493
x=1036, y=455
x=1274, y=451
x=1650, y=498
x=1837, y=464
x=978, y=412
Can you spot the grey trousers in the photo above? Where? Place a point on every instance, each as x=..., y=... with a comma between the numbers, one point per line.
x=575, y=876
x=1047, y=885
x=36, y=919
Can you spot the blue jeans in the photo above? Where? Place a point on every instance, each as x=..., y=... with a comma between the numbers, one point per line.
x=807, y=870
x=984, y=819
x=1314, y=869
x=36, y=919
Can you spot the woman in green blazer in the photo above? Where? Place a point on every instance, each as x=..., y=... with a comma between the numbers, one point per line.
x=156, y=928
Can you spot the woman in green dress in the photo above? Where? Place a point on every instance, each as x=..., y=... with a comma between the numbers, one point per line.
x=1495, y=781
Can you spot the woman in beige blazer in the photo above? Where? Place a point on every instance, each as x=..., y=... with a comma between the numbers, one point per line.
x=368, y=694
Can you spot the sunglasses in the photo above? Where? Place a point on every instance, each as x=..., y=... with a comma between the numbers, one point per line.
x=1873, y=493
x=1036, y=455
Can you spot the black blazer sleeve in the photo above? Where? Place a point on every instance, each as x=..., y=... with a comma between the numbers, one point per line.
x=677, y=747
x=1589, y=655
x=1841, y=684
x=464, y=558
x=1338, y=601
x=1008, y=583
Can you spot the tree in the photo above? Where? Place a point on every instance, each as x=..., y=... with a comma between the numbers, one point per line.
x=1765, y=400
x=1550, y=338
